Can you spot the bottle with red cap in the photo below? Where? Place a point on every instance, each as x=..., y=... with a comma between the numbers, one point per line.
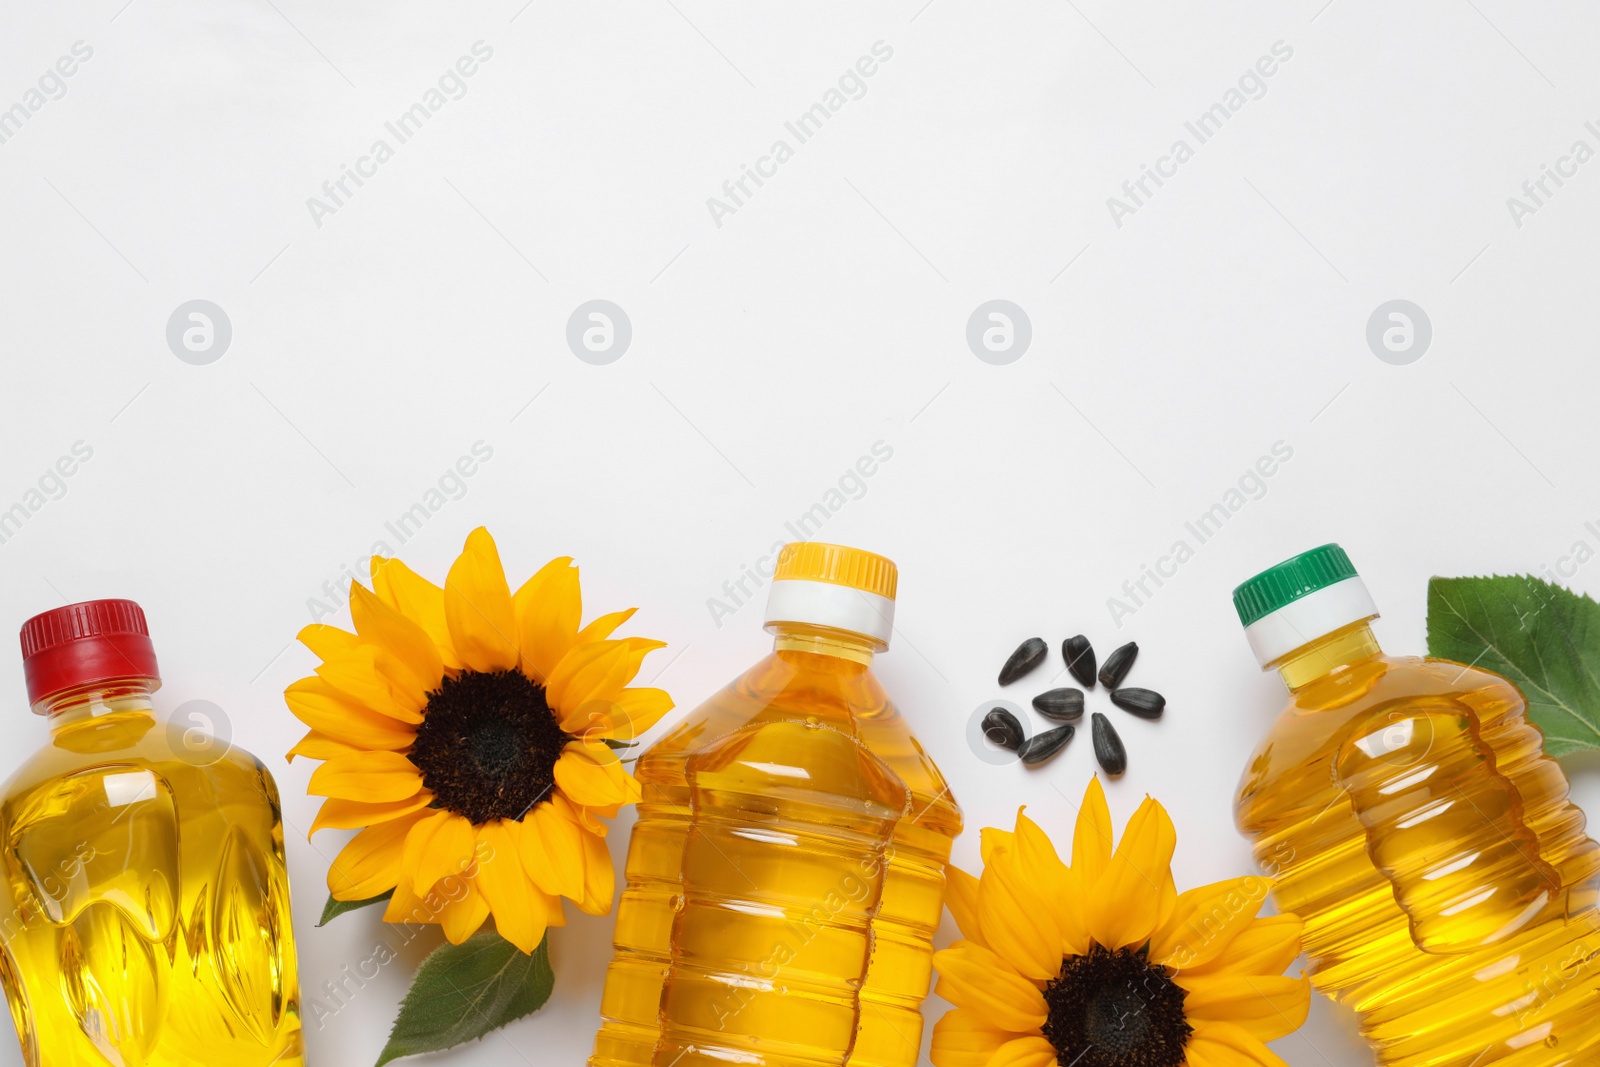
x=144, y=912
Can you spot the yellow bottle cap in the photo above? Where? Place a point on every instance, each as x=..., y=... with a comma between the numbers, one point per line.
x=816, y=561
x=818, y=584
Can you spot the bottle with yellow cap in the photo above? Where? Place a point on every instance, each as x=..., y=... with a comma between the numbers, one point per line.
x=786, y=872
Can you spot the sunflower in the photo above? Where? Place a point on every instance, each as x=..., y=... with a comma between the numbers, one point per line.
x=1104, y=963
x=468, y=732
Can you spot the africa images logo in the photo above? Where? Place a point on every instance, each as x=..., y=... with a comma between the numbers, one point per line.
x=852, y=85
x=451, y=85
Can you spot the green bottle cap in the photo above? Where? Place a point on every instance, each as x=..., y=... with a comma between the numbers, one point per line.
x=1276, y=587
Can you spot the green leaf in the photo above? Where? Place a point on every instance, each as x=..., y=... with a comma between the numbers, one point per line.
x=463, y=992
x=1542, y=636
x=335, y=908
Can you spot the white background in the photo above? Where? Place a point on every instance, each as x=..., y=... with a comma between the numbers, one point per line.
x=826, y=314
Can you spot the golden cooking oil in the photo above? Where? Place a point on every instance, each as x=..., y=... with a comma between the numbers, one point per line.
x=1413, y=821
x=786, y=872
x=146, y=901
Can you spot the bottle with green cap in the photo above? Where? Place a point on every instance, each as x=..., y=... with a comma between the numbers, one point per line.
x=1408, y=812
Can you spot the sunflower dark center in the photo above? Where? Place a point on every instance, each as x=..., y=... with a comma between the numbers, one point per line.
x=488, y=745
x=1115, y=1009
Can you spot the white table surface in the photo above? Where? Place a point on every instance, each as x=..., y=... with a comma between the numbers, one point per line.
x=774, y=345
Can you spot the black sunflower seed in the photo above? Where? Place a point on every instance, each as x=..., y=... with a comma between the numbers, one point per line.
x=1108, y=746
x=1060, y=705
x=1079, y=655
x=1145, y=703
x=1002, y=728
x=1028, y=655
x=1117, y=664
x=1042, y=746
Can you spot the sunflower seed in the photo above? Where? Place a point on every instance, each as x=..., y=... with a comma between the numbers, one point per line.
x=1060, y=705
x=1002, y=728
x=1079, y=655
x=1145, y=703
x=1108, y=746
x=1028, y=655
x=1042, y=746
x=1117, y=664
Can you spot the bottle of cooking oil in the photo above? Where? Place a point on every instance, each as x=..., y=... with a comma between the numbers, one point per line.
x=786, y=872
x=146, y=904
x=1412, y=819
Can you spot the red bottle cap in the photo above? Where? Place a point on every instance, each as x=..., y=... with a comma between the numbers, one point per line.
x=85, y=644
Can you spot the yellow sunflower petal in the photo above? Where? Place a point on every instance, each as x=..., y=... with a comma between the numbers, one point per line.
x=992, y=839
x=1268, y=1006
x=404, y=906
x=367, y=676
x=412, y=648
x=1018, y=920
x=1266, y=946
x=477, y=607
x=1224, y=1045
x=547, y=608
x=418, y=600
x=340, y=814
x=961, y=897
x=595, y=674
x=590, y=774
x=320, y=746
x=326, y=641
x=633, y=712
x=1205, y=921
x=1126, y=902
x=1053, y=883
x=439, y=845
x=371, y=776
x=599, y=877
x=973, y=977
x=552, y=851
x=370, y=863
x=1072, y=917
x=963, y=1039
x=1169, y=900
x=1025, y=1052
x=576, y=659
x=603, y=627
x=519, y=908
x=332, y=714
x=1091, y=838
x=461, y=918
x=1033, y=846
x=592, y=819
x=1200, y=1054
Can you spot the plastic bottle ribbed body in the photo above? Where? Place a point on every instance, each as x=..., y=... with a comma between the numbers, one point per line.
x=1448, y=888
x=792, y=925
x=148, y=903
